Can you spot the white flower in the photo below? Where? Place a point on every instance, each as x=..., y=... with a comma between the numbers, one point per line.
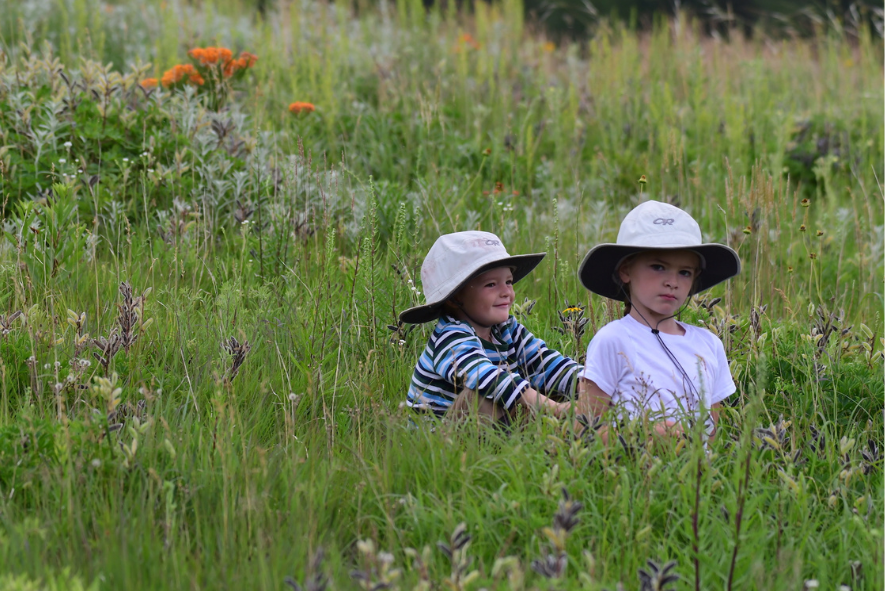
x=61, y=160
x=67, y=144
x=96, y=463
x=150, y=170
x=293, y=397
x=46, y=366
x=126, y=160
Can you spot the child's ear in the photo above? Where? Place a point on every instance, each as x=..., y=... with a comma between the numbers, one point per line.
x=624, y=275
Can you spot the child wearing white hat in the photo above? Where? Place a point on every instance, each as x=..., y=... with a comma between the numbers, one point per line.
x=479, y=358
x=648, y=363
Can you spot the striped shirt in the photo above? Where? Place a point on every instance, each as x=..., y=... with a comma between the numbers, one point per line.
x=456, y=358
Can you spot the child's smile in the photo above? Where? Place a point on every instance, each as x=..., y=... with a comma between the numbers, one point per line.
x=487, y=299
x=659, y=281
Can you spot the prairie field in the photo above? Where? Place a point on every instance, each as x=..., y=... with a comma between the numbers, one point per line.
x=204, y=253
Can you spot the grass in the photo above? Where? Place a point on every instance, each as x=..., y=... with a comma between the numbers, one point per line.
x=185, y=471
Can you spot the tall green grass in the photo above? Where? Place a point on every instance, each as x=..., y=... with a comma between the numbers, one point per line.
x=191, y=476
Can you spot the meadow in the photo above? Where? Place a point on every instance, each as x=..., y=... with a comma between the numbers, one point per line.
x=202, y=375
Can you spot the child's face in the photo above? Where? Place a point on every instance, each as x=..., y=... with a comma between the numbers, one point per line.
x=487, y=298
x=659, y=281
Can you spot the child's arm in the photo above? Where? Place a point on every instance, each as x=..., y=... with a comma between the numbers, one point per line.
x=592, y=401
x=715, y=417
x=534, y=401
x=547, y=370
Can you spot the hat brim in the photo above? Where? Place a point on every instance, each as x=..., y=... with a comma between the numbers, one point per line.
x=523, y=264
x=597, y=270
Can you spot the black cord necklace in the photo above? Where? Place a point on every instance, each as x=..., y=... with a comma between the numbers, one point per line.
x=670, y=355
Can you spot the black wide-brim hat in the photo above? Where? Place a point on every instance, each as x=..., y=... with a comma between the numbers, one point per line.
x=655, y=226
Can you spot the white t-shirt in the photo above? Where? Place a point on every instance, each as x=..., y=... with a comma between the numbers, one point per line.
x=628, y=363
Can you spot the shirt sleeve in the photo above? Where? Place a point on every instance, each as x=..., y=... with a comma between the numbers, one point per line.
x=724, y=385
x=603, y=362
x=548, y=371
x=461, y=360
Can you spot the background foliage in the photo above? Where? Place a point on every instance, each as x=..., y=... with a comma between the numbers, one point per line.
x=202, y=386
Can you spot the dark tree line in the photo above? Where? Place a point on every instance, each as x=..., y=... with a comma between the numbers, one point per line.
x=576, y=19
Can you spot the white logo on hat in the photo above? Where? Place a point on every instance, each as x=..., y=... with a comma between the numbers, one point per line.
x=664, y=221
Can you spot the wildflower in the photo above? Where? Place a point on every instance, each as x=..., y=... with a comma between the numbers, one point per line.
x=549, y=46
x=802, y=227
x=248, y=59
x=61, y=160
x=820, y=233
x=747, y=230
x=148, y=83
x=468, y=39
x=67, y=144
x=178, y=72
x=208, y=56
x=642, y=180
x=297, y=108
x=572, y=309
x=805, y=203
x=812, y=255
x=487, y=151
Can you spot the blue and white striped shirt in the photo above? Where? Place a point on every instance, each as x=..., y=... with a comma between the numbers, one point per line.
x=456, y=358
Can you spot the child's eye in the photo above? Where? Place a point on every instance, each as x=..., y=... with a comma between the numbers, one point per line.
x=657, y=267
x=686, y=273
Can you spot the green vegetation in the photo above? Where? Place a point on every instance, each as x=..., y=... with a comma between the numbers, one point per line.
x=199, y=386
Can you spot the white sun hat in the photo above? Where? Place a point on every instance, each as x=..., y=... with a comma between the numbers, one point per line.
x=654, y=225
x=453, y=260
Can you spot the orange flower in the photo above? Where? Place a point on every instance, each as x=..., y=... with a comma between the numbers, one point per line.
x=208, y=56
x=178, y=72
x=248, y=58
x=148, y=83
x=301, y=108
x=468, y=39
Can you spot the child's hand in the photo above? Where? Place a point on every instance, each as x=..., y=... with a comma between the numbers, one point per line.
x=669, y=428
